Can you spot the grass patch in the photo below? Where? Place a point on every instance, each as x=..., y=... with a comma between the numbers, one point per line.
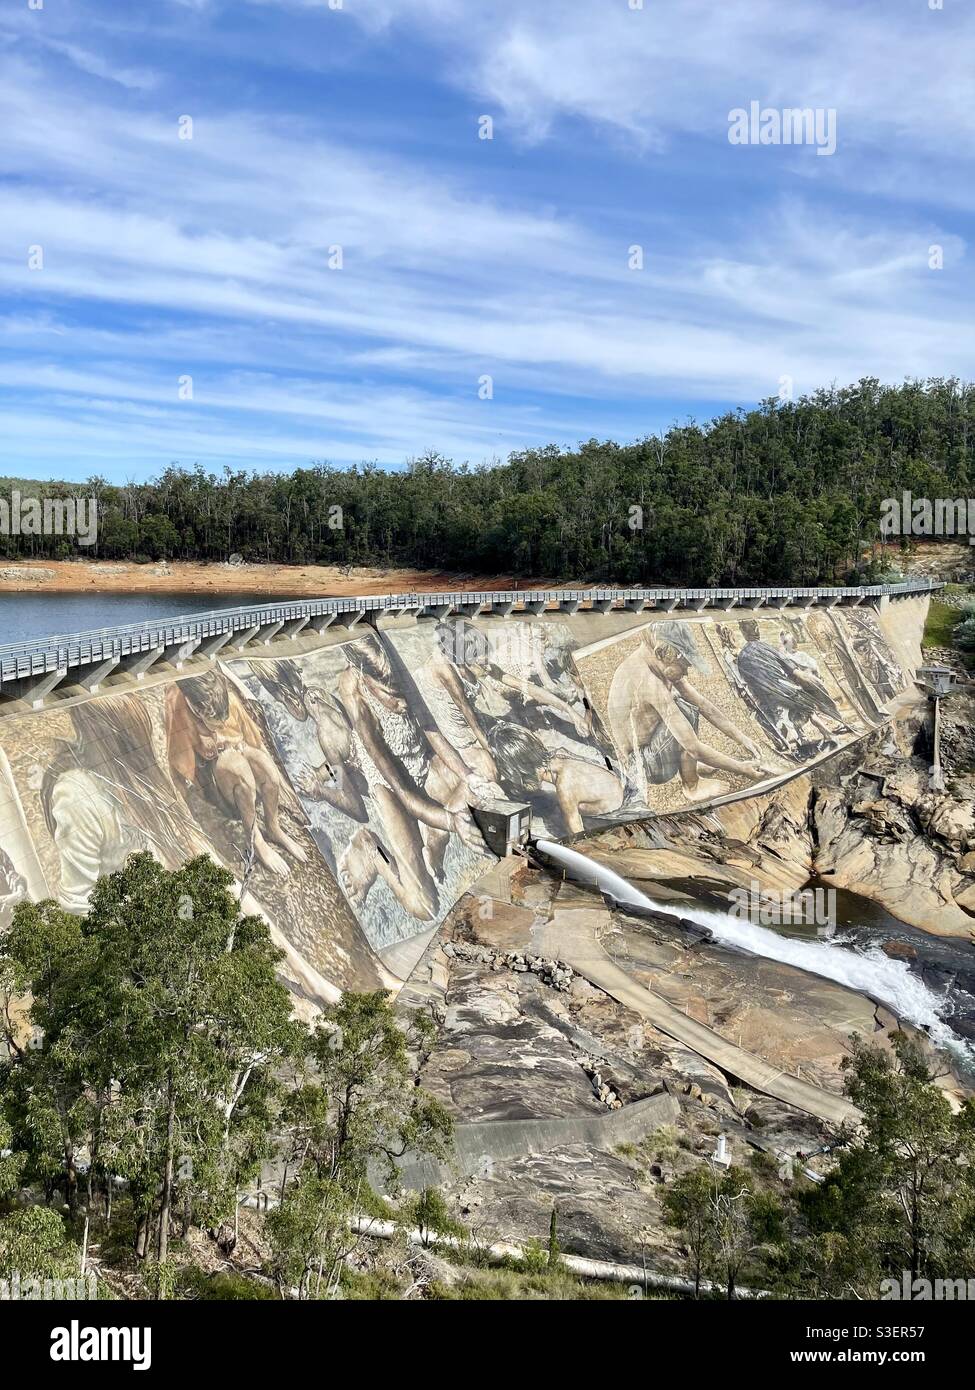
x=941, y=623
x=509, y=1285
x=222, y=1287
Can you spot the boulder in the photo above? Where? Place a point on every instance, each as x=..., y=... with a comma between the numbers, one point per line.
x=899, y=950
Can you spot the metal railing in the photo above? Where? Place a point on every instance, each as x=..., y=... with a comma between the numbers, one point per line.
x=19, y=660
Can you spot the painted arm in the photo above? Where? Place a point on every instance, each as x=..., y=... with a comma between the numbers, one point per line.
x=715, y=716
x=448, y=678
x=537, y=694
x=680, y=727
x=389, y=766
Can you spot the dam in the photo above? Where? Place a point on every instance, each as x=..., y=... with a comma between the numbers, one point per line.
x=329, y=752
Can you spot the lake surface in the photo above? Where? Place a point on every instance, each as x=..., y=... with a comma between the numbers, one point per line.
x=23, y=616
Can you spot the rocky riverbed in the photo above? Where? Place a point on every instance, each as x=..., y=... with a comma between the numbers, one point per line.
x=524, y=1038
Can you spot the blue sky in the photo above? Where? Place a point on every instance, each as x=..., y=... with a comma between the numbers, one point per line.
x=357, y=126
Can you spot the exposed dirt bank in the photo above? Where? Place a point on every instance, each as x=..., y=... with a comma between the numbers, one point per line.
x=284, y=581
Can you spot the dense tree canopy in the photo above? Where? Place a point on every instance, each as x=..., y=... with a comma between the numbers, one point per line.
x=787, y=492
x=159, y=1022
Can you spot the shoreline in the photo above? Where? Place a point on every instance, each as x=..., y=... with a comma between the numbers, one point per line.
x=281, y=581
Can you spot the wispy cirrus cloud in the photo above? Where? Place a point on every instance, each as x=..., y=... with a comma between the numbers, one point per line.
x=213, y=257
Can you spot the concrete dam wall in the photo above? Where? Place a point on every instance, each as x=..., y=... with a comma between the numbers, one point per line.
x=332, y=774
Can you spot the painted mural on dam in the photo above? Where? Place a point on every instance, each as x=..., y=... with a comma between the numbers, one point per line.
x=337, y=784
x=506, y=697
x=385, y=796
x=182, y=769
x=700, y=708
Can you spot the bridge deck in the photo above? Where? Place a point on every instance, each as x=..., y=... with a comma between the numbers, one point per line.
x=47, y=661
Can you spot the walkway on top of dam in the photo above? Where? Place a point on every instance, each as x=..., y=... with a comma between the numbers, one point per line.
x=33, y=669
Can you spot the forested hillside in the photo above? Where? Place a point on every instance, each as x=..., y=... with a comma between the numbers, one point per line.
x=787, y=492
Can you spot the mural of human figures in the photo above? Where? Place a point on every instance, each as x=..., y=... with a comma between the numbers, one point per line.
x=105, y=796
x=386, y=794
x=789, y=695
x=215, y=746
x=863, y=660
x=336, y=780
x=182, y=769
x=876, y=659
x=506, y=696
x=337, y=785
x=655, y=711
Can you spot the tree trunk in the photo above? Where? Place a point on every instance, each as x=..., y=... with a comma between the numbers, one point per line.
x=70, y=1178
x=93, y=1156
x=166, y=1201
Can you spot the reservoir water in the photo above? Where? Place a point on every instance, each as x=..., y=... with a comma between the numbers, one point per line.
x=23, y=616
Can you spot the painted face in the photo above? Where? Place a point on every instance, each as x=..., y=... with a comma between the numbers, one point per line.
x=673, y=664
x=208, y=698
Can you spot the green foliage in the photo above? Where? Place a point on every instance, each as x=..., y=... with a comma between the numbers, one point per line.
x=731, y=1225
x=788, y=492
x=161, y=1023
x=34, y=1244
x=354, y=1110
x=901, y=1196
x=963, y=635
x=11, y=1165
x=941, y=628
x=903, y=1192
x=362, y=1110
x=534, y=1259
x=161, y=1278
x=524, y=1285
x=225, y=1286
x=310, y=1236
x=427, y=1212
x=687, y=1205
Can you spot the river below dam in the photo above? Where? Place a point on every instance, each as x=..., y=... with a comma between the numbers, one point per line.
x=928, y=981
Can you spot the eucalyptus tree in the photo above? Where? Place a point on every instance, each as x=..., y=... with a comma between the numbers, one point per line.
x=161, y=1025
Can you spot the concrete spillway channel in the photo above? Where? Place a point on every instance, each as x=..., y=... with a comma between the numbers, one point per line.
x=500, y=1140
x=571, y=937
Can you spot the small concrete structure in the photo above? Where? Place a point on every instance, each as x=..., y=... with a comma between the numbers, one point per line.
x=937, y=680
x=505, y=825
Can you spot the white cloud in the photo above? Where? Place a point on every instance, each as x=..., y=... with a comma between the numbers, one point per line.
x=898, y=75
x=209, y=256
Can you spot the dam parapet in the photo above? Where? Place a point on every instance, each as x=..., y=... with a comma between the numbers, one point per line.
x=32, y=670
